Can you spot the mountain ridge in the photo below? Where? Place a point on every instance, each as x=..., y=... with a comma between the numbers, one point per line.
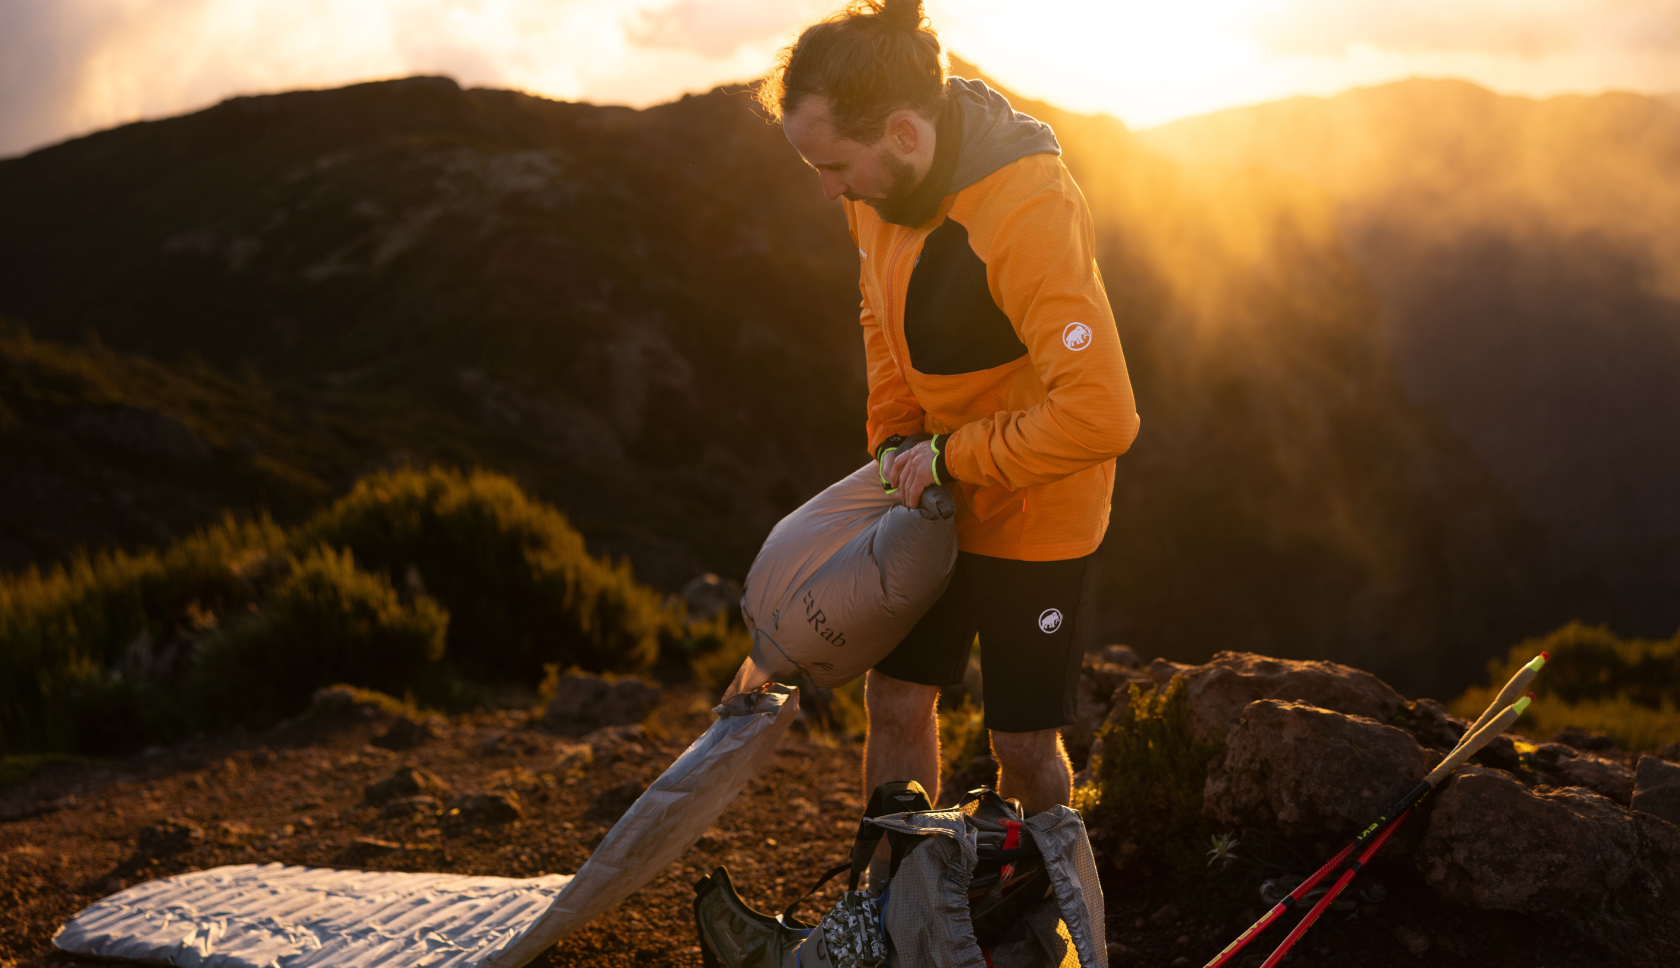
x=649, y=316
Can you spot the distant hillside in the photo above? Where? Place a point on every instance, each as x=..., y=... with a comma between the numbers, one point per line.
x=650, y=316
x=1526, y=258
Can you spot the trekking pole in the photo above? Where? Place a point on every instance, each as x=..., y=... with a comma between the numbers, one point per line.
x=1468, y=748
x=1508, y=695
x=1380, y=829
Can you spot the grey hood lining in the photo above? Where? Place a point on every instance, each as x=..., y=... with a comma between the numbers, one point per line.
x=993, y=133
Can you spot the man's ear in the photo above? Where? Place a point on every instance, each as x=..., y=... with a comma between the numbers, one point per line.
x=903, y=133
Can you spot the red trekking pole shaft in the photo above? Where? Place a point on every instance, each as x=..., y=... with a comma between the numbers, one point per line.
x=1277, y=911
x=1330, y=895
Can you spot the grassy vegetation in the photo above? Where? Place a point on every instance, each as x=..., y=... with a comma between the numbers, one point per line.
x=1628, y=688
x=430, y=583
x=1146, y=785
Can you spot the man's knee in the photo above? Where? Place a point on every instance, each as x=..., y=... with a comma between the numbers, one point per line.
x=1027, y=751
x=894, y=703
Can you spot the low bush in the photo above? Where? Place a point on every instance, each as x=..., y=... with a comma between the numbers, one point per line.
x=455, y=589
x=87, y=634
x=1144, y=797
x=326, y=623
x=1628, y=688
x=520, y=588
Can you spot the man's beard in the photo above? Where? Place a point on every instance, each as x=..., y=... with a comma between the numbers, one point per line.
x=901, y=184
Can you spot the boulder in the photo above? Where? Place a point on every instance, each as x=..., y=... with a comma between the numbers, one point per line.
x=1555, y=764
x=1121, y=655
x=585, y=701
x=485, y=809
x=1567, y=855
x=167, y=837
x=406, y=732
x=708, y=596
x=1656, y=789
x=1307, y=771
x=412, y=807
x=1430, y=724
x=405, y=781
x=1221, y=689
x=1583, y=740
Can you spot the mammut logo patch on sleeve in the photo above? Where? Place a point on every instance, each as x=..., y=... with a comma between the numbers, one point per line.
x=1076, y=336
x=1050, y=620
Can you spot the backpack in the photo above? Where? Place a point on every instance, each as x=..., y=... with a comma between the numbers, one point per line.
x=968, y=887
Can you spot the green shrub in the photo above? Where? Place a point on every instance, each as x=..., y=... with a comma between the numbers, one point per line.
x=91, y=632
x=326, y=623
x=520, y=587
x=717, y=651
x=1628, y=688
x=1146, y=784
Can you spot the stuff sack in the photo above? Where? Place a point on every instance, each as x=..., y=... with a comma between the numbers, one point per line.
x=842, y=580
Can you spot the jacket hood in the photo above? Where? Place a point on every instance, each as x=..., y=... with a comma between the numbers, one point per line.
x=993, y=133
x=978, y=133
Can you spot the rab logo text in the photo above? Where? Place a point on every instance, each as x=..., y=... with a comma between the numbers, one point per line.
x=1076, y=336
x=1049, y=620
x=819, y=621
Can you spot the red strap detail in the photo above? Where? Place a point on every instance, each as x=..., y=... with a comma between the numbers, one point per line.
x=987, y=954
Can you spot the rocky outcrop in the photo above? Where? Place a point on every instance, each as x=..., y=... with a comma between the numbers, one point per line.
x=1656, y=789
x=1227, y=683
x=583, y=702
x=1306, y=771
x=1555, y=764
x=1568, y=855
x=405, y=782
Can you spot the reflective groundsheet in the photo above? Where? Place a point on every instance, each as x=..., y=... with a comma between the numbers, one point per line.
x=257, y=916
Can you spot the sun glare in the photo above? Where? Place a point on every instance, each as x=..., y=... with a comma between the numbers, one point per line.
x=93, y=63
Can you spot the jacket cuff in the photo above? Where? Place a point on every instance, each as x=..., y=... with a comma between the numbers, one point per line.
x=887, y=446
x=941, y=471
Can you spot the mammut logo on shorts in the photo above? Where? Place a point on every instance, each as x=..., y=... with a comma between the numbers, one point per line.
x=1049, y=620
x=1076, y=336
x=819, y=621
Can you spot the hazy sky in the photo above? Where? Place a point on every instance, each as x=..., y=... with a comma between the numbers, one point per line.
x=70, y=66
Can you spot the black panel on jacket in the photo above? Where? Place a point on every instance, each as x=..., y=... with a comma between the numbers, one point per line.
x=950, y=321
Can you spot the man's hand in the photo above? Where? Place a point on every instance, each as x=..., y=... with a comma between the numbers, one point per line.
x=911, y=471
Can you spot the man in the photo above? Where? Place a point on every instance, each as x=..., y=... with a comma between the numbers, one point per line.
x=995, y=370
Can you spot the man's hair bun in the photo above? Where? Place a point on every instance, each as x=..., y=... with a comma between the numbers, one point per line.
x=903, y=14
x=869, y=59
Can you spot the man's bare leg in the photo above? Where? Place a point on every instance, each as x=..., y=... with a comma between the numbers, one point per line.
x=902, y=742
x=1033, y=768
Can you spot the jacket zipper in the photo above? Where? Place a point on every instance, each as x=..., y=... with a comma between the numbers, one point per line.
x=892, y=266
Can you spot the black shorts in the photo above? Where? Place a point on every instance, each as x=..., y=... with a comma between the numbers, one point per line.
x=1024, y=612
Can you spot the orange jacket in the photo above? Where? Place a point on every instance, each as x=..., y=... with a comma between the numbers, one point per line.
x=989, y=323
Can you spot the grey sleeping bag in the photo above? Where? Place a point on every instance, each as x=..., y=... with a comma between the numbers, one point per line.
x=841, y=581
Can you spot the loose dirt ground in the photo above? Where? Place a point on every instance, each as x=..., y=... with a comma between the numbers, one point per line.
x=72, y=834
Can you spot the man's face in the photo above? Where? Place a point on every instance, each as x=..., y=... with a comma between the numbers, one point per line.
x=875, y=174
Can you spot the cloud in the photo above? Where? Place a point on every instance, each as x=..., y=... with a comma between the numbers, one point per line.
x=719, y=29
x=69, y=66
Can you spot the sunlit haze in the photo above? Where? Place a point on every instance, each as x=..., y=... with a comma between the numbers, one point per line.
x=70, y=66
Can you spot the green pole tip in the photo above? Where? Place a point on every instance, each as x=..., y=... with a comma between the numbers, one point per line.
x=1521, y=705
x=1538, y=661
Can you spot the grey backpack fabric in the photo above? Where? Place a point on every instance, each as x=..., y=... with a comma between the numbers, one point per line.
x=841, y=581
x=927, y=914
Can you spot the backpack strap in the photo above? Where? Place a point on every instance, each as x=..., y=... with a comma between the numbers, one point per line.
x=899, y=796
